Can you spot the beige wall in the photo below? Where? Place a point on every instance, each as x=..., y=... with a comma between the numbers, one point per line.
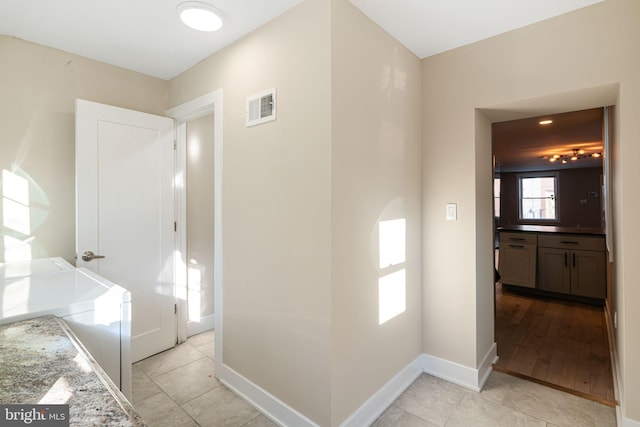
x=303, y=196
x=584, y=53
x=200, y=217
x=376, y=177
x=276, y=205
x=39, y=86
x=302, y=200
x=484, y=249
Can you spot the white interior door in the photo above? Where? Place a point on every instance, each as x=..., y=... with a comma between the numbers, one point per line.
x=125, y=212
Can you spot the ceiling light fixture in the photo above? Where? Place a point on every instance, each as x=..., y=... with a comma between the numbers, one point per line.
x=200, y=16
x=545, y=122
x=575, y=154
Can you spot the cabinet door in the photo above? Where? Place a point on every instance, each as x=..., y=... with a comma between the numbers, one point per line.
x=588, y=277
x=554, y=272
x=517, y=265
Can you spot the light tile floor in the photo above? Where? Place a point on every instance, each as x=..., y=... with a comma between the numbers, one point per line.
x=177, y=388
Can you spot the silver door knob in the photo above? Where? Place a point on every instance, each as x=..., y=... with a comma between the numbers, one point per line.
x=88, y=256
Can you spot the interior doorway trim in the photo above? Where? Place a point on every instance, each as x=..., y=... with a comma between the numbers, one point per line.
x=210, y=103
x=574, y=100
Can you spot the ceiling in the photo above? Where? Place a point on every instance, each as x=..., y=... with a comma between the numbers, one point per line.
x=146, y=35
x=428, y=27
x=525, y=145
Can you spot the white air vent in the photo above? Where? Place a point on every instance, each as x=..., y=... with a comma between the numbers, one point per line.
x=261, y=107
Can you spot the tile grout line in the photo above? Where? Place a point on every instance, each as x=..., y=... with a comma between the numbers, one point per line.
x=167, y=395
x=148, y=397
x=163, y=392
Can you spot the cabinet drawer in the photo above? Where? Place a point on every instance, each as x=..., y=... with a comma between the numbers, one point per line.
x=518, y=238
x=517, y=264
x=569, y=241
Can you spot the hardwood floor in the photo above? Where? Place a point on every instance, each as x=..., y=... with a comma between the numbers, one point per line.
x=560, y=343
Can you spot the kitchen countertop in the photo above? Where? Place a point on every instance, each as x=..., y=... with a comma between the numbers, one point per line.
x=44, y=363
x=553, y=229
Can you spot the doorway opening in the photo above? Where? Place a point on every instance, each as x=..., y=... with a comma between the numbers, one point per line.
x=200, y=213
x=548, y=195
x=208, y=108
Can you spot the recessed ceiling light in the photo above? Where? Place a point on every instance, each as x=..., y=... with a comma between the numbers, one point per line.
x=200, y=16
x=545, y=122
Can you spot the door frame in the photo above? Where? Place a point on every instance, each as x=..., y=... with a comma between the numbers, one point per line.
x=604, y=96
x=210, y=103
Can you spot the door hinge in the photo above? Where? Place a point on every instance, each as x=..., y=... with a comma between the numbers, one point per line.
x=175, y=144
x=175, y=226
x=175, y=308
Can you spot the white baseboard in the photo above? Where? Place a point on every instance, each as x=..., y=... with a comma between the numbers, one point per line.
x=613, y=351
x=462, y=375
x=617, y=379
x=374, y=407
x=626, y=422
x=485, y=368
x=206, y=323
x=270, y=406
x=284, y=415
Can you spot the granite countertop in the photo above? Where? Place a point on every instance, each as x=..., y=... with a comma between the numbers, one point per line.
x=43, y=362
x=553, y=229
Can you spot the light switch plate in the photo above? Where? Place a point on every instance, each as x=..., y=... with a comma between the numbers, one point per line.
x=452, y=211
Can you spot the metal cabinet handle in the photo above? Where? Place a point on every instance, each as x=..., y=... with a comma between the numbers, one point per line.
x=565, y=259
x=516, y=246
x=518, y=239
x=574, y=260
x=89, y=255
x=568, y=242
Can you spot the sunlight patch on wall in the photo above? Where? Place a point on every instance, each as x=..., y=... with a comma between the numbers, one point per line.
x=15, y=202
x=193, y=150
x=392, y=242
x=16, y=217
x=194, y=291
x=392, y=284
x=392, y=295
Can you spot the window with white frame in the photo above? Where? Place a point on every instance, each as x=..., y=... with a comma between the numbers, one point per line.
x=538, y=197
x=496, y=197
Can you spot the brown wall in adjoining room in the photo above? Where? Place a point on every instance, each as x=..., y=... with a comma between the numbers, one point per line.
x=576, y=207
